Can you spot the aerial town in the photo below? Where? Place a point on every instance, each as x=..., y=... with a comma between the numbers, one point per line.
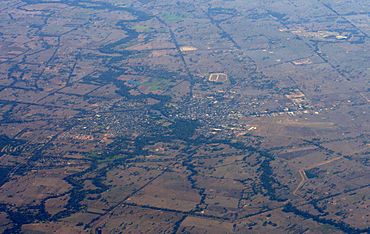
x=184, y=116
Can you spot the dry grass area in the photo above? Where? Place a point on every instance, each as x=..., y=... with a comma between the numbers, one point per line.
x=170, y=190
x=56, y=205
x=130, y=219
x=33, y=187
x=201, y=225
x=277, y=221
x=62, y=228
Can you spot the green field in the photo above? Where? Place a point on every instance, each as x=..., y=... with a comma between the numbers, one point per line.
x=155, y=85
x=101, y=158
x=141, y=28
x=172, y=17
